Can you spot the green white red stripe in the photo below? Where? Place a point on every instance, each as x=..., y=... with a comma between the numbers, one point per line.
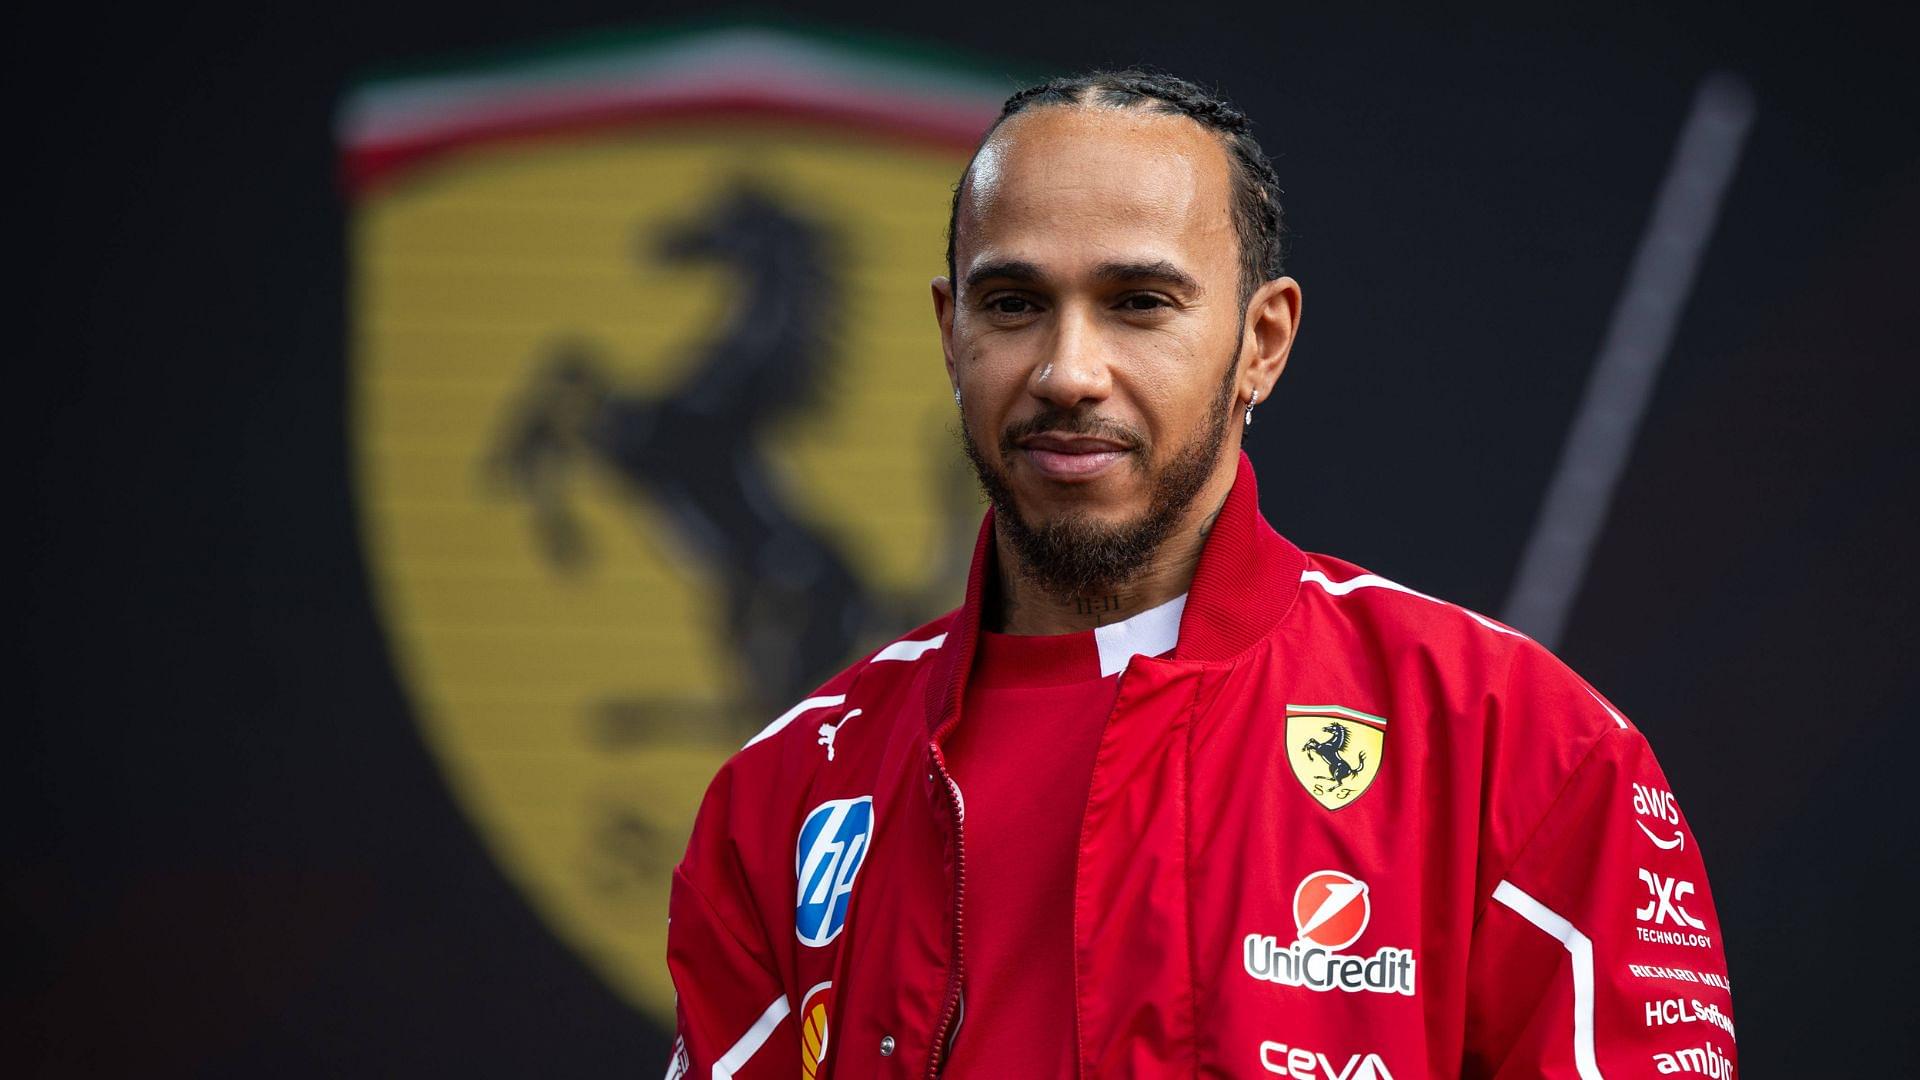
x=1336, y=710
x=729, y=73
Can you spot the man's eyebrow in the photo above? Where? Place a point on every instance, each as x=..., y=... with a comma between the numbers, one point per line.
x=1010, y=269
x=1023, y=271
x=1157, y=270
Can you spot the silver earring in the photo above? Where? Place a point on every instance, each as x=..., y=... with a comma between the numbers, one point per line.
x=956, y=395
x=1250, y=401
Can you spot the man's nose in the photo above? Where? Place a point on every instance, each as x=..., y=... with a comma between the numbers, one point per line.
x=1073, y=368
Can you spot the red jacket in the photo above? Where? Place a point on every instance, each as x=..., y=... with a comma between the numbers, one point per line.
x=1343, y=831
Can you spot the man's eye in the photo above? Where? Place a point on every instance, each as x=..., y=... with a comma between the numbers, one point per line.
x=1009, y=305
x=1143, y=302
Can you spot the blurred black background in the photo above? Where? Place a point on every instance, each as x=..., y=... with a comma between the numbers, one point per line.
x=232, y=855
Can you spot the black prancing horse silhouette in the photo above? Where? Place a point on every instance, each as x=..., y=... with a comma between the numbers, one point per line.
x=794, y=608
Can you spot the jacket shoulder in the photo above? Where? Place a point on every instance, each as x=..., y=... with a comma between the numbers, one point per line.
x=793, y=745
x=1486, y=692
x=1477, y=663
x=1366, y=602
x=743, y=830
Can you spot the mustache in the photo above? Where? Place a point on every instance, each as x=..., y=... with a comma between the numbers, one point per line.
x=1071, y=422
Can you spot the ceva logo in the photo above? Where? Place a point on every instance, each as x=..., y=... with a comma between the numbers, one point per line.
x=832, y=847
x=1302, y=1064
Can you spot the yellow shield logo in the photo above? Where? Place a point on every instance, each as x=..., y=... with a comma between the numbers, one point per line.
x=815, y=1026
x=650, y=426
x=1335, y=751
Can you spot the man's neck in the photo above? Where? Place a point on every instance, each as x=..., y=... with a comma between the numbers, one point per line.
x=1025, y=608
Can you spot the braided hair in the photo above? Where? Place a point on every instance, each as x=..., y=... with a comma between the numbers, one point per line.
x=1257, y=217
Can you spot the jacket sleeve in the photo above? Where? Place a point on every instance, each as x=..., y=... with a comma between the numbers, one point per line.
x=731, y=1004
x=1598, y=952
x=730, y=1008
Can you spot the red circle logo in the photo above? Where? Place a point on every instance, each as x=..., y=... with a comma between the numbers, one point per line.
x=1331, y=908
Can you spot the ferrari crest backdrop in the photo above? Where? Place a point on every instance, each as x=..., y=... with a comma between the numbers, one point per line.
x=650, y=426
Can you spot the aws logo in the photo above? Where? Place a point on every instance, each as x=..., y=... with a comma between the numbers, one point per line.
x=1659, y=804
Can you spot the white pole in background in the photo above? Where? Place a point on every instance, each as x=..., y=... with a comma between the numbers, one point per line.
x=1555, y=560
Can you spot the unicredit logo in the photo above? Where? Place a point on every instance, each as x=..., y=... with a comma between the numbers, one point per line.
x=1331, y=908
x=1330, y=912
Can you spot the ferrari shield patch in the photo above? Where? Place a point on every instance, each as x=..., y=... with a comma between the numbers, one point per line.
x=1335, y=751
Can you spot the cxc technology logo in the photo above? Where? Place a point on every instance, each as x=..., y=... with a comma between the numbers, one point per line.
x=1664, y=904
x=1330, y=912
x=832, y=846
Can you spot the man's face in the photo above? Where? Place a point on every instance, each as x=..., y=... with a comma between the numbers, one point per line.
x=1093, y=329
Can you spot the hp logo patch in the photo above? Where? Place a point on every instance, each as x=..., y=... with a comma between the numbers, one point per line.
x=833, y=844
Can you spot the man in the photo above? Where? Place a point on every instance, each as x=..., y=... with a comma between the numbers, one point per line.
x=1166, y=795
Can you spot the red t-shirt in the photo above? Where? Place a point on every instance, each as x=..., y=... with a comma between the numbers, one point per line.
x=1023, y=756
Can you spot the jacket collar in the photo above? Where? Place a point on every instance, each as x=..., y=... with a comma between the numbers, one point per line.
x=1244, y=585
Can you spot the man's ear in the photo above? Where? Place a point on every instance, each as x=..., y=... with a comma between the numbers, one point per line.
x=943, y=312
x=1273, y=321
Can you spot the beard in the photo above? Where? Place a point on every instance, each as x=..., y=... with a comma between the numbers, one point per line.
x=1074, y=554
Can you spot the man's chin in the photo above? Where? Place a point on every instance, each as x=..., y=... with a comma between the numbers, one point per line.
x=1081, y=515
x=1071, y=518
x=1071, y=554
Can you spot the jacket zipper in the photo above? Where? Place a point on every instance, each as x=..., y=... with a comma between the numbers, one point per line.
x=947, y=1012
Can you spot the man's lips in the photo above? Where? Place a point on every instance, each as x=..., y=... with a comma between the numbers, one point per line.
x=1071, y=457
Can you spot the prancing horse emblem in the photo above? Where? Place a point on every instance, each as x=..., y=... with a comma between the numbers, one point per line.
x=1338, y=771
x=695, y=456
x=1340, y=751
